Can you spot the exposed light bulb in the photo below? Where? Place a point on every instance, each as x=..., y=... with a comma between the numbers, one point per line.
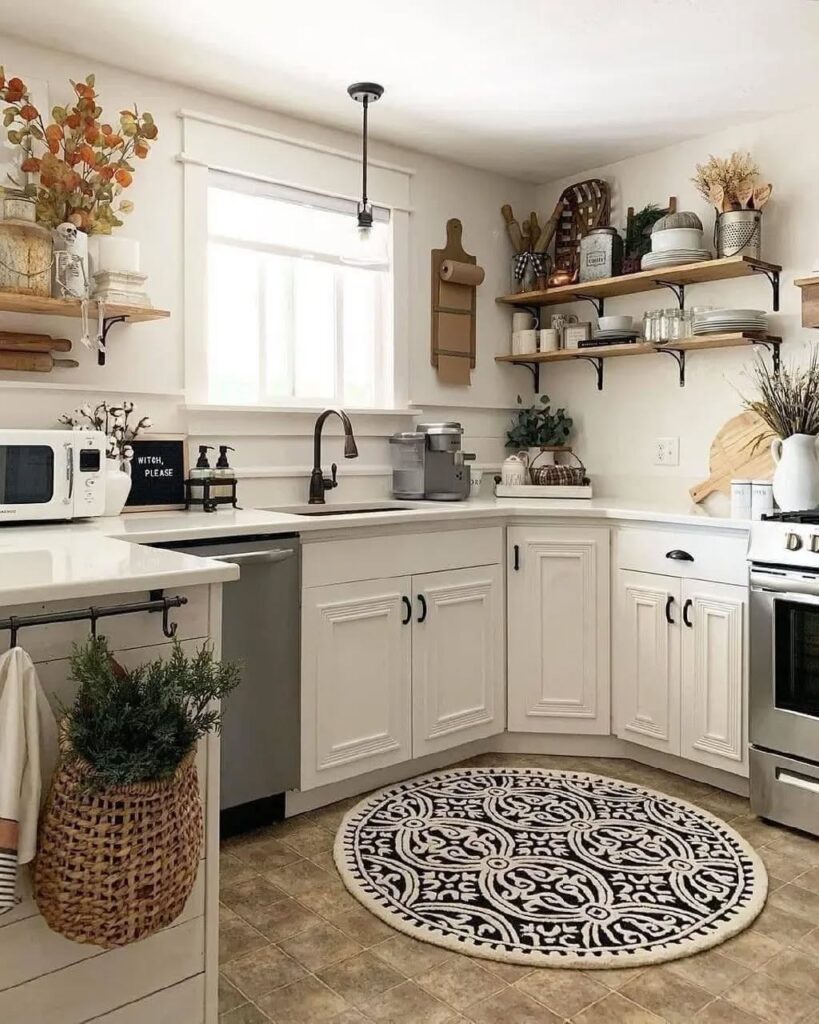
x=365, y=232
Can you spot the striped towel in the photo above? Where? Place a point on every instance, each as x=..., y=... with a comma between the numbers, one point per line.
x=28, y=756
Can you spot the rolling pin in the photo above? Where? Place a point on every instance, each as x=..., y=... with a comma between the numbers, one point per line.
x=534, y=227
x=12, y=341
x=513, y=228
x=40, y=362
x=549, y=228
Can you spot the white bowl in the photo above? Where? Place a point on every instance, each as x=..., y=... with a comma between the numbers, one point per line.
x=676, y=238
x=615, y=323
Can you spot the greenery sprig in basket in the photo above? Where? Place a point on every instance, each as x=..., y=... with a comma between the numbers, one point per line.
x=121, y=833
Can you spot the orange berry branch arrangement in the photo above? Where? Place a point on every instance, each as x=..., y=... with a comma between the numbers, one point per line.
x=81, y=164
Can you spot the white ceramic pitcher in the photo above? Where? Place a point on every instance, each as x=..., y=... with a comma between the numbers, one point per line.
x=796, y=478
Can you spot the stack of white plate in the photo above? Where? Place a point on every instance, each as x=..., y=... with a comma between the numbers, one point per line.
x=730, y=321
x=674, y=258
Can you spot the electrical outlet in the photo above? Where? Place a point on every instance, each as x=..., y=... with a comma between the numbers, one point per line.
x=667, y=451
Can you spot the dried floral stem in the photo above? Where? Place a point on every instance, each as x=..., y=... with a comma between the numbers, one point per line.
x=788, y=402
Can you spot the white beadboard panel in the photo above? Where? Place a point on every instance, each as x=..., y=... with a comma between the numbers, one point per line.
x=179, y=1004
x=30, y=949
x=109, y=980
x=142, y=629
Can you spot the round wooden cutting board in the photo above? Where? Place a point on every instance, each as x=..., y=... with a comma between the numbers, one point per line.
x=733, y=456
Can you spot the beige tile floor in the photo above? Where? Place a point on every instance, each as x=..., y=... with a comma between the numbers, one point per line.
x=296, y=948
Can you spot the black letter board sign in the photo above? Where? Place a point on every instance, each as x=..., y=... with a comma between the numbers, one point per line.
x=158, y=471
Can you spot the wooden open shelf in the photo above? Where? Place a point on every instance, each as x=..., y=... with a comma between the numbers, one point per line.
x=649, y=280
x=596, y=354
x=810, y=300
x=13, y=303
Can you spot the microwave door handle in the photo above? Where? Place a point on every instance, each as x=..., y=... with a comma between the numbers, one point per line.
x=69, y=472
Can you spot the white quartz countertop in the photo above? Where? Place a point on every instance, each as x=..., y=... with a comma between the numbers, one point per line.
x=111, y=555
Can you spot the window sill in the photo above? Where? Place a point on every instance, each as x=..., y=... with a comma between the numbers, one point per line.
x=312, y=410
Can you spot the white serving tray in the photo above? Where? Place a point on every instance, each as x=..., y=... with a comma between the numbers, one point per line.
x=542, y=491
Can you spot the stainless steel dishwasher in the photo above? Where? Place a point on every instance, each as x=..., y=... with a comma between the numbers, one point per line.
x=261, y=629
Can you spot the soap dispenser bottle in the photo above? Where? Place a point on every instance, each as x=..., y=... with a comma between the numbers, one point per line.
x=201, y=471
x=223, y=474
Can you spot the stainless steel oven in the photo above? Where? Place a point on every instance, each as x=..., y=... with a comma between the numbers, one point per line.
x=784, y=699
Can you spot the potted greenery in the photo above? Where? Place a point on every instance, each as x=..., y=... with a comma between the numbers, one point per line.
x=788, y=402
x=121, y=832
x=539, y=431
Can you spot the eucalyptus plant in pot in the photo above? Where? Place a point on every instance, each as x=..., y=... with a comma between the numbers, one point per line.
x=788, y=402
x=538, y=431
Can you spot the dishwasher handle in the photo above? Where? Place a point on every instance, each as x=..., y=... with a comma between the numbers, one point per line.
x=255, y=557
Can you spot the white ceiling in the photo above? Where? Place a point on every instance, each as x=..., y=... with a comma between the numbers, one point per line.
x=533, y=88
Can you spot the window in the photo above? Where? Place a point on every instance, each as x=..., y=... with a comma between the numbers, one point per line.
x=295, y=315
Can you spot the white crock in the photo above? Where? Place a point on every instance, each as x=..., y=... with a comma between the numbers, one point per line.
x=796, y=478
x=514, y=470
x=117, y=488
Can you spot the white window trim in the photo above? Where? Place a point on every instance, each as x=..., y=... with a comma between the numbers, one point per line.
x=212, y=144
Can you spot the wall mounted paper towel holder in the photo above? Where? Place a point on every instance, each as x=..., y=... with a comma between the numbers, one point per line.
x=455, y=279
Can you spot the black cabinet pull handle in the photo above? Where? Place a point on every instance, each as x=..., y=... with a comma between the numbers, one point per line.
x=668, y=602
x=516, y=550
x=408, y=606
x=423, y=602
x=686, y=609
x=678, y=555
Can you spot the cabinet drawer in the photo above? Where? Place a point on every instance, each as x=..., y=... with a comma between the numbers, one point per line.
x=718, y=556
x=398, y=554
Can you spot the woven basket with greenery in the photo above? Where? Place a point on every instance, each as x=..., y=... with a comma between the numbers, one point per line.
x=117, y=865
x=121, y=834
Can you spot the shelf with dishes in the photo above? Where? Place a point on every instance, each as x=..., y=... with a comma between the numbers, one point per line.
x=112, y=313
x=678, y=350
x=674, y=277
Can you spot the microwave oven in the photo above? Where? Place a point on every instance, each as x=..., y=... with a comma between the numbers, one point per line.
x=51, y=474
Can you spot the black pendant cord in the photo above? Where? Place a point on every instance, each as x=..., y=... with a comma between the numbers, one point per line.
x=365, y=104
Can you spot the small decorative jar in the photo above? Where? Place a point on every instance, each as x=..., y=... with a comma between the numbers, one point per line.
x=601, y=254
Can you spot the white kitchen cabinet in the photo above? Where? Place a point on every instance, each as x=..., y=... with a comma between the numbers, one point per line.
x=714, y=672
x=356, y=679
x=646, y=659
x=680, y=686
x=458, y=673
x=558, y=629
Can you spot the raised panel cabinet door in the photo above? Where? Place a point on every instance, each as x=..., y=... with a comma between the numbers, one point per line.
x=715, y=675
x=558, y=622
x=646, y=660
x=356, y=679
x=458, y=678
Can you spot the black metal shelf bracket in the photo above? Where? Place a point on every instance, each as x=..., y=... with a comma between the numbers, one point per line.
x=597, y=363
x=773, y=278
x=107, y=323
x=773, y=348
x=678, y=289
x=679, y=357
x=598, y=303
x=535, y=371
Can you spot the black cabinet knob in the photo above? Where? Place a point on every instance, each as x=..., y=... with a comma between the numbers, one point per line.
x=678, y=555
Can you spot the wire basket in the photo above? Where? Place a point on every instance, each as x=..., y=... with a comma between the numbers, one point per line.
x=739, y=233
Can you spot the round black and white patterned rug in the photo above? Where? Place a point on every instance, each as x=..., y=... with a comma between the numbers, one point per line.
x=549, y=868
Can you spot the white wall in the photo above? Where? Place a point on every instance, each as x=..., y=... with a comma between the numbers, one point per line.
x=146, y=361
x=641, y=399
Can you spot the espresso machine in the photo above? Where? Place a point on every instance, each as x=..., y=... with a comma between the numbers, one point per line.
x=428, y=463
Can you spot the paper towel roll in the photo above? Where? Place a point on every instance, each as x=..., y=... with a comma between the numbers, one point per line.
x=461, y=273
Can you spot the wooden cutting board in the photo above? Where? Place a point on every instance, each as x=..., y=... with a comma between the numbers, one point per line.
x=733, y=456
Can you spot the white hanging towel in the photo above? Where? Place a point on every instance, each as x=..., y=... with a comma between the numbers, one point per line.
x=28, y=756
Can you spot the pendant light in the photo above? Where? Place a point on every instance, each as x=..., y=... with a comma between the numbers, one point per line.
x=365, y=93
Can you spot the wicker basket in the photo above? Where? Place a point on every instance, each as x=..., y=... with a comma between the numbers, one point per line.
x=559, y=476
x=116, y=866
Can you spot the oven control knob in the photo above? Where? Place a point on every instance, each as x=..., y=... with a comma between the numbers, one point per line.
x=793, y=542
